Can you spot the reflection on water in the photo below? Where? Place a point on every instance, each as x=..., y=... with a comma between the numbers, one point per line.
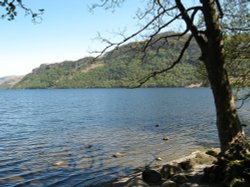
x=68, y=137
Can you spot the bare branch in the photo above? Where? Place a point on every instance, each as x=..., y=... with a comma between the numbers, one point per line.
x=243, y=99
x=149, y=42
x=106, y=5
x=155, y=73
x=219, y=8
x=146, y=12
x=243, y=29
x=158, y=31
x=99, y=5
x=189, y=23
x=118, y=44
x=159, y=3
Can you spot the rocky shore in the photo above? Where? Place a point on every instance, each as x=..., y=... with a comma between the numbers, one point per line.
x=184, y=172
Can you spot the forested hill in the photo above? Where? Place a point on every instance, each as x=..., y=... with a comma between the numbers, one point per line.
x=122, y=67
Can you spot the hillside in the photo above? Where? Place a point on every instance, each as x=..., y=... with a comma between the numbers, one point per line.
x=9, y=81
x=122, y=67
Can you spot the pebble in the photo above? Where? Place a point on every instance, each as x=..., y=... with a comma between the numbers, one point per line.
x=117, y=155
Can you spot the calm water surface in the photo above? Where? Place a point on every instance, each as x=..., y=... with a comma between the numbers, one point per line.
x=67, y=137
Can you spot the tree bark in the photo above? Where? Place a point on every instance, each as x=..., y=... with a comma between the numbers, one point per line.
x=228, y=123
x=213, y=56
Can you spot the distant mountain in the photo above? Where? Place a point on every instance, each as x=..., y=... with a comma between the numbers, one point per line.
x=121, y=67
x=9, y=81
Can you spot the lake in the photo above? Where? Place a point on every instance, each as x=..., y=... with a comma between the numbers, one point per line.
x=69, y=137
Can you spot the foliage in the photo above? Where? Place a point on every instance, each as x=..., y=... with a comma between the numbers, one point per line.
x=236, y=28
x=232, y=168
x=237, y=61
x=9, y=9
x=122, y=67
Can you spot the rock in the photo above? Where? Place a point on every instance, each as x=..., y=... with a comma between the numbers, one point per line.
x=188, y=184
x=187, y=164
x=212, y=174
x=244, y=125
x=158, y=159
x=61, y=163
x=89, y=146
x=199, y=159
x=180, y=179
x=165, y=138
x=169, y=183
x=151, y=176
x=137, y=183
x=118, y=155
x=202, y=158
x=213, y=152
x=167, y=171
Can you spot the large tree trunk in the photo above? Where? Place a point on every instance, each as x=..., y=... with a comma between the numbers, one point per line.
x=213, y=56
x=228, y=122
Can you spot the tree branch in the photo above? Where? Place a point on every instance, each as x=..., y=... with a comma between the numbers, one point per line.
x=118, y=44
x=149, y=42
x=11, y=10
x=243, y=29
x=190, y=24
x=243, y=99
x=219, y=8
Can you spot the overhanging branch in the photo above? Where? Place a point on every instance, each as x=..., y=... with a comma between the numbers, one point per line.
x=151, y=41
x=118, y=44
x=189, y=23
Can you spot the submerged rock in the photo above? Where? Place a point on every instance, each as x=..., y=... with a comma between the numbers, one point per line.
x=89, y=146
x=165, y=138
x=61, y=163
x=118, y=155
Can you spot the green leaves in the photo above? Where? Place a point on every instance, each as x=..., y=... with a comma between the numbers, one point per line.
x=10, y=9
x=122, y=68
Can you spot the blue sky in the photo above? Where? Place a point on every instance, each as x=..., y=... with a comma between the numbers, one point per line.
x=67, y=32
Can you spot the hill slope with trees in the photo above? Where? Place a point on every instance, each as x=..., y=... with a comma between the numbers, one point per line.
x=121, y=67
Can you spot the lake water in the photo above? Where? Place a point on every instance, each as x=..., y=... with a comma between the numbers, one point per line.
x=67, y=137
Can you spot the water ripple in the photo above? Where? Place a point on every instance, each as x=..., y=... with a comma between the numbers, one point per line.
x=68, y=137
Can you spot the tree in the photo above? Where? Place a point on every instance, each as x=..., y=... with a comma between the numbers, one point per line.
x=209, y=38
x=231, y=167
x=235, y=29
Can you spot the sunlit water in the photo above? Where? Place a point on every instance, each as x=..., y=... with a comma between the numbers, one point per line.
x=68, y=137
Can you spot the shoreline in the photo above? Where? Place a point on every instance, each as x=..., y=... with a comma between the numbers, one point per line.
x=186, y=170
